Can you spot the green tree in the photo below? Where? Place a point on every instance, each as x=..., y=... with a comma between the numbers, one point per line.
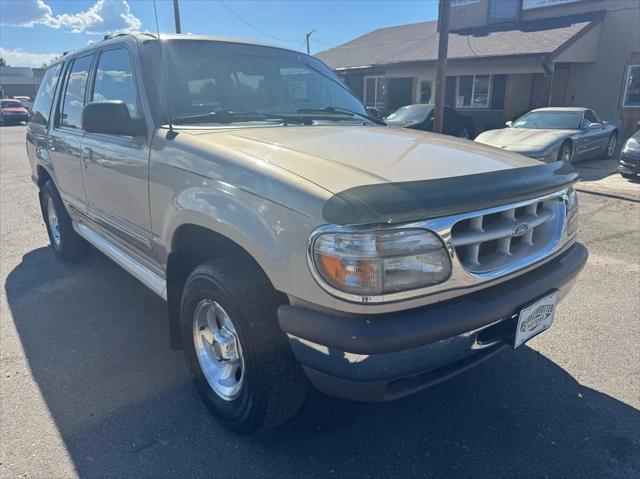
x=53, y=60
x=3, y=63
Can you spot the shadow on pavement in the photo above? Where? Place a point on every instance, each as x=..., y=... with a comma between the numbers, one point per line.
x=598, y=168
x=97, y=345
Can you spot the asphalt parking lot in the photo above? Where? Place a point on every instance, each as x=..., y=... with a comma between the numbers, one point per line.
x=90, y=388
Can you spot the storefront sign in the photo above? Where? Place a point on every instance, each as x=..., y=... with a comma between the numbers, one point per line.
x=529, y=4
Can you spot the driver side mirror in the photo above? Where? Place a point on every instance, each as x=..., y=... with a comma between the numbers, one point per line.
x=508, y=124
x=594, y=126
x=111, y=118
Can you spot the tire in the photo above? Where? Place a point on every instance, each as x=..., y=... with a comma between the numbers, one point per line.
x=611, y=145
x=565, y=153
x=271, y=385
x=65, y=242
x=464, y=132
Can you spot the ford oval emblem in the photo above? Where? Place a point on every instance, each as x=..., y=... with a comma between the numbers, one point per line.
x=520, y=229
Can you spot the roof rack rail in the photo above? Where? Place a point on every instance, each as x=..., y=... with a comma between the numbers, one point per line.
x=114, y=35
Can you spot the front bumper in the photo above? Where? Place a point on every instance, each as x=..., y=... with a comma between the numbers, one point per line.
x=629, y=163
x=388, y=356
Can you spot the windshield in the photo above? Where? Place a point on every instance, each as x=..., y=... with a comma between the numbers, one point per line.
x=410, y=113
x=248, y=83
x=554, y=120
x=10, y=104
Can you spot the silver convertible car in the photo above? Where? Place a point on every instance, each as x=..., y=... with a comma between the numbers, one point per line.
x=556, y=133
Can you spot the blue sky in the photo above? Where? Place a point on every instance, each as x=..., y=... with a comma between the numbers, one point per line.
x=34, y=31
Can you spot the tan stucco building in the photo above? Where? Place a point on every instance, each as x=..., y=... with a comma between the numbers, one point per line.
x=506, y=57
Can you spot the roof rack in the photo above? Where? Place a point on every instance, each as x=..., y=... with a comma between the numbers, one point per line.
x=111, y=36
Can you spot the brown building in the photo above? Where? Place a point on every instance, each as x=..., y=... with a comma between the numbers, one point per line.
x=506, y=57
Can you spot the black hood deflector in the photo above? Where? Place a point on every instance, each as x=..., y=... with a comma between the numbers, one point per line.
x=417, y=200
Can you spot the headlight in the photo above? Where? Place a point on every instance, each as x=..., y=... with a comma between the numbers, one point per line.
x=380, y=262
x=572, y=211
x=632, y=145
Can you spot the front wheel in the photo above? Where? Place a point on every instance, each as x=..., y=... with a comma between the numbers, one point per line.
x=463, y=132
x=565, y=152
x=611, y=145
x=240, y=360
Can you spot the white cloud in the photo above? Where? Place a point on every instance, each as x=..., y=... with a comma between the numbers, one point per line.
x=104, y=16
x=25, y=13
x=19, y=58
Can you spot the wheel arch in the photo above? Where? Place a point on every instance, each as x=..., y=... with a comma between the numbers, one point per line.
x=192, y=244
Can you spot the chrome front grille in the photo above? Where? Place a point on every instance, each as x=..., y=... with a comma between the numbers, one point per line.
x=488, y=242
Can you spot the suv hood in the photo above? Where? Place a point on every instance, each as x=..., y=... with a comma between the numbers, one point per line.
x=338, y=157
x=521, y=139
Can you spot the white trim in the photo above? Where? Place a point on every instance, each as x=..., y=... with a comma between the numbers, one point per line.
x=375, y=91
x=627, y=81
x=473, y=93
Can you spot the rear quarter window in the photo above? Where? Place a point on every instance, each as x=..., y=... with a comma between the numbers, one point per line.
x=44, y=99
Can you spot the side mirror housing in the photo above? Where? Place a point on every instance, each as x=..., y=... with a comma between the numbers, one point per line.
x=595, y=126
x=508, y=124
x=111, y=118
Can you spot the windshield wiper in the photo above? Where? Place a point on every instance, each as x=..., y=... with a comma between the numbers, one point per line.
x=224, y=116
x=231, y=116
x=340, y=110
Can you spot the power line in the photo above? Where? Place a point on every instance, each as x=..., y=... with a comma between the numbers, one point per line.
x=239, y=17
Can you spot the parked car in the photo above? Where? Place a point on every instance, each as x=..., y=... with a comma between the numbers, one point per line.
x=25, y=100
x=629, y=164
x=295, y=240
x=420, y=117
x=556, y=133
x=12, y=112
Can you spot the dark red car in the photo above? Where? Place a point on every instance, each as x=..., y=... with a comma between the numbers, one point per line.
x=12, y=112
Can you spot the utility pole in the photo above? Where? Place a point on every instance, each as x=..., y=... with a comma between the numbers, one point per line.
x=444, y=11
x=176, y=15
x=308, y=35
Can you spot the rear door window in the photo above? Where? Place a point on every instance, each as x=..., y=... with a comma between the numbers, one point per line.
x=44, y=99
x=73, y=101
x=114, y=80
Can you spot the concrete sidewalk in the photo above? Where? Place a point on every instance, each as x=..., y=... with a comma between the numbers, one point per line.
x=601, y=177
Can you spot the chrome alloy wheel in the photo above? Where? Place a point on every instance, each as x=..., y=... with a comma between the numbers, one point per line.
x=565, y=153
x=52, y=220
x=218, y=349
x=611, y=149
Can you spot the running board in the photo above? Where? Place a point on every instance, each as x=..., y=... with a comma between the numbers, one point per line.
x=143, y=274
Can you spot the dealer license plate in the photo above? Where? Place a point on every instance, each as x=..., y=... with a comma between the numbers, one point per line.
x=535, y=318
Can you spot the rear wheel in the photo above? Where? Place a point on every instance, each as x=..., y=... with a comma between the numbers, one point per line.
x=565, y=153
x=65, y=242
x=240, y=360
x=611, y=145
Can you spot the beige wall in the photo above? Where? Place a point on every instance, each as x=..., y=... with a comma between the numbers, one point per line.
x=599, y=84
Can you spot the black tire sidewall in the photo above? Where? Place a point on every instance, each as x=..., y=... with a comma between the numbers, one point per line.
x=244, y=413
x=48, y=191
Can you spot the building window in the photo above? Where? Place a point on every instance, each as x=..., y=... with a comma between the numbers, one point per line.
x=425, y=92
x=632, y=87
x=501, y=11
x=375, y=92
x=473, y=91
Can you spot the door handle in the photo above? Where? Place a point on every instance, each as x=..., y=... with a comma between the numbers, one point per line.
x=87, y=157
x=51, y=145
